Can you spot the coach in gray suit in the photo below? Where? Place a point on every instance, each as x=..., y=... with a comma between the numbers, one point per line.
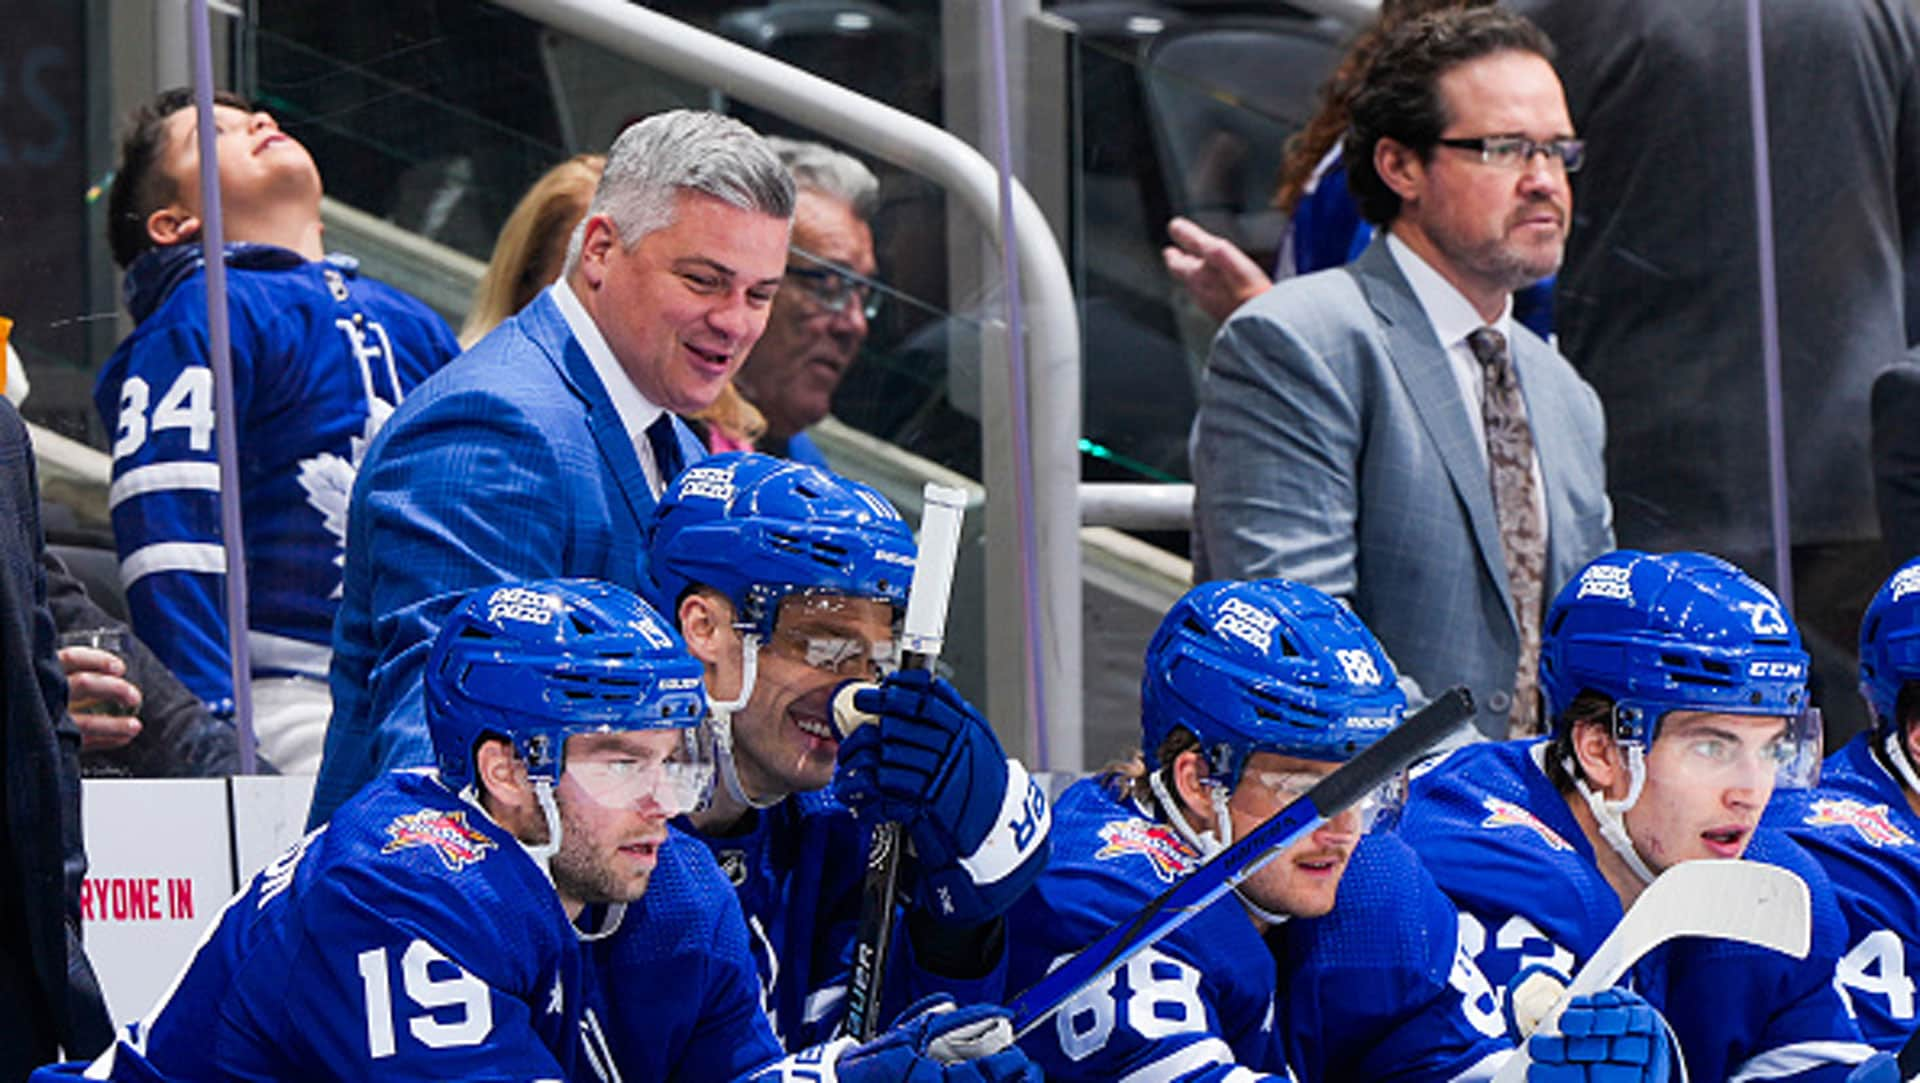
x=1341, y=439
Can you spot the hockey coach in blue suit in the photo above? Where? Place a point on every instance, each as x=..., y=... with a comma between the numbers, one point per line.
x=542, y=448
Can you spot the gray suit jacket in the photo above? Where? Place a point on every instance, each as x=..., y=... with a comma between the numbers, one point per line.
x=1333, y=447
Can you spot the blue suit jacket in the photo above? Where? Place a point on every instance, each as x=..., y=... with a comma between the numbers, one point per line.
x=1333, y=447
x=510, y=463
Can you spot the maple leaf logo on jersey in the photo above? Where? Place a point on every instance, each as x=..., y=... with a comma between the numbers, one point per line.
x=1508, y=814
x=1873, y=822
x=328, y=480
x=448, y=834
x=1167, y=852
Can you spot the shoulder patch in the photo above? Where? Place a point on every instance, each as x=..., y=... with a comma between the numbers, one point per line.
x=1166, y=851
x=1507, y=814
x=447, y=833
x=1871, y=822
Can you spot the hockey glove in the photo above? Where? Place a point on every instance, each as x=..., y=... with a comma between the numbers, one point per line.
x=1612, y=1036
x=978, y=823
x=934, y=1043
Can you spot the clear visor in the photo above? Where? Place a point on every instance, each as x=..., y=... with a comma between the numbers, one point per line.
x=1722, y=750
x=846, y=637
x=670, y=770
x=1380, y=804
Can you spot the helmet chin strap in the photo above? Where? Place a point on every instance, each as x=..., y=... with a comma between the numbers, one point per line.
x=542, y=854
x=1896, y=750
x=723, y=723
x=1610, y=816
x=1208, y=843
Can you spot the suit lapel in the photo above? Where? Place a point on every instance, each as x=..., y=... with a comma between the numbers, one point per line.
x=1426, y=374
x=550, y=329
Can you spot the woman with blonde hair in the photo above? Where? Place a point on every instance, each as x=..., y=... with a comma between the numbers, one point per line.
x=528, y=256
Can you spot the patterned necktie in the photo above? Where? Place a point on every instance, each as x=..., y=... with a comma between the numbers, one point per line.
x=666, y=449
x=1523, y=537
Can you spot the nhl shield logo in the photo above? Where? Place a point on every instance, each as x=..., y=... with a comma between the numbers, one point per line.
x=1872, y=822
x=447, y=834
x=1169, y=855
x=1507, y=814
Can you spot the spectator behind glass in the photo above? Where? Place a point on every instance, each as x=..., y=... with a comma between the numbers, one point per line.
x=821, y=315
x=1324, y=228
x=168, y=732
x=48, y=995
x=320, y=357
x=527, y=258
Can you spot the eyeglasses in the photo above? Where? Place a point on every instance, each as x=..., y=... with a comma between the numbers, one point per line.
x=835, y=290
x=1517, y=151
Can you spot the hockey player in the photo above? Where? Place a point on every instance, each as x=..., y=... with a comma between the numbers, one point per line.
x=787, y=582
x=434, y=930
x=321, y=356
x=1863, y=821
x=1253, y=692
x=1676, y=688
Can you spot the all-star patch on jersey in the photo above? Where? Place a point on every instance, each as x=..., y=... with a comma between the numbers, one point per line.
x=1873, y=823
x=1507, y=814
x=1166, y=851
x=446, y=832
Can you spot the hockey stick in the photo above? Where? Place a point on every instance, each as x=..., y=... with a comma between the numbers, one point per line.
x=1748, y=901
x=1380, y=762
x=921, y=635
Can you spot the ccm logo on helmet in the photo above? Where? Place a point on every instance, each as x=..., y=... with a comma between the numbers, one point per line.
x=1777, y=670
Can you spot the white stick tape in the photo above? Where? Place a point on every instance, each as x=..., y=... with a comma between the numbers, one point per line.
x=925, y=627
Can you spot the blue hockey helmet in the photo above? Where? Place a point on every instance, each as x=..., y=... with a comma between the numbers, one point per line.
x=1265, y=666
x=758, y=529
x=538, y=662
x=1890, y=645
x=1660, y=632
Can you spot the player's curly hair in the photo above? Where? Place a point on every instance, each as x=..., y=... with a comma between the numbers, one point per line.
x=140, y=186
x=1589, y=708
x=1399, y=96
x=1127, y=778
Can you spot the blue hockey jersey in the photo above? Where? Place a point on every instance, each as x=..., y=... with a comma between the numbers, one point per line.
x=1375, y=990
x=797, y=869
x=413, y=938
x=320, y=357
x=1861, y=829
x=1503, y=842
x=682, y=990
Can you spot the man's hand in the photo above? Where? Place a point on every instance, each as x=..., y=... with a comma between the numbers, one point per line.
x=1217, y=275
x=978, y=823
x=97, y=679
x=1612, y=1036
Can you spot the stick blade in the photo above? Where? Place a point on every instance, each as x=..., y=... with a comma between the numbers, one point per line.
x=1746, y=901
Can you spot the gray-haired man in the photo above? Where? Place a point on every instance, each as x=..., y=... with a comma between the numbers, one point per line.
x=539, y=453
x=820, y=317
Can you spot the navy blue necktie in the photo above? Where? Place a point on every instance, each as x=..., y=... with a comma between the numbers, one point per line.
x=666, y=449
